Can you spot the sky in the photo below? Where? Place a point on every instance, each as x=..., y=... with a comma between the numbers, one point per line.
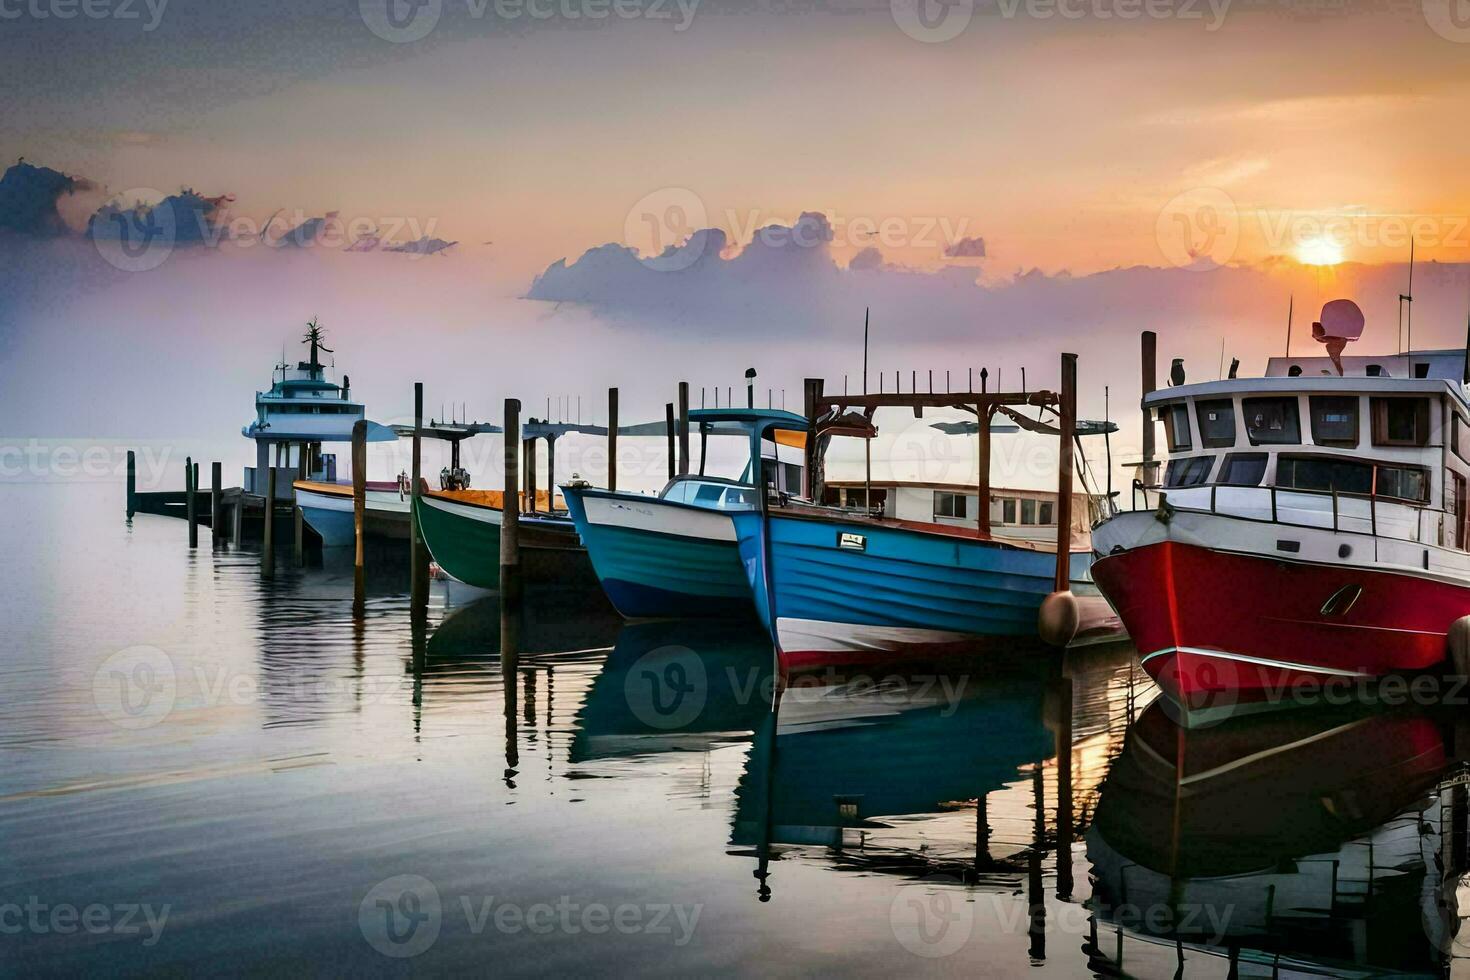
x=994, y=179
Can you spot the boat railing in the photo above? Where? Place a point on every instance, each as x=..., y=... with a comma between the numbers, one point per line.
x=1333, y=510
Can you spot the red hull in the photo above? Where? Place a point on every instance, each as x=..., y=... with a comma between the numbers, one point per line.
x=1219, y=631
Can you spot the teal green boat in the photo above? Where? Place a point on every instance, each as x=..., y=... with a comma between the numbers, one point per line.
x=461, y=529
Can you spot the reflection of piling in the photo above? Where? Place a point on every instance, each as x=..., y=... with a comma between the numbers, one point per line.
x=683, y=428
x=612, y=438
x=669, y=430
x=191, y=506
x=1064, y=788
x=510, y=512
x=418, y=552
x=132, y=483
x=359, y=515
x=298, y=536
x=1035, y=900
x=216, y=503
x=268, y=547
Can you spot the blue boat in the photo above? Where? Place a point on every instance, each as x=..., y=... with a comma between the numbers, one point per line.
x=675, y=555
x=837, y=586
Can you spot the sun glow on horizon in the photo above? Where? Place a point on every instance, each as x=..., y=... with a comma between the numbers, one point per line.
x=1319, y=251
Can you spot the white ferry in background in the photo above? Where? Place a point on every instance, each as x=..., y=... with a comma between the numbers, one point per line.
x=300, y=412
x=1311, y=525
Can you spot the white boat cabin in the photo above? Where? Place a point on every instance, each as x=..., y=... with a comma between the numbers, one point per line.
x=1382, y=448
x=1029, y=515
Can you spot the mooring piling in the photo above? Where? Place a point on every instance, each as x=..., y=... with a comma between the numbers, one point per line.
x=670, y=435
x=1150, y=368
x=359, y=516
x=132, y=483
x=216, y=503
x=612, y=438
x=418, y=552
x=529, y=445
x=191, y=505
x=683, y=428
x=510, y=510
x=268, y=546
x=1068, y=425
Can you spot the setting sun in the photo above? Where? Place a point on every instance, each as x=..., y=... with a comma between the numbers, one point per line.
x=1319, y=251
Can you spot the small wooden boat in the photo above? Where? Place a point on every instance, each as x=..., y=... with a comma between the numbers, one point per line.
x=675, y=555
x=327, y=509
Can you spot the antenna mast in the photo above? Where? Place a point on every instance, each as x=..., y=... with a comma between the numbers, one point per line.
x=1290, y=309
x=1409, y=298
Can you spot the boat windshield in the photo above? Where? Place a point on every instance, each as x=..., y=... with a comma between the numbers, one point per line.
x=710, y=492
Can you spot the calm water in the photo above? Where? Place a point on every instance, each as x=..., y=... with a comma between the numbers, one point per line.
x=205, y=772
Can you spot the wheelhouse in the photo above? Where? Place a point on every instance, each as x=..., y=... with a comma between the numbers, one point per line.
x=1386, y=445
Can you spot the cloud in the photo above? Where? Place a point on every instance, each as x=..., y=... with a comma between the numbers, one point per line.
x=32, y=199
x=966, y=248
x=185, y=218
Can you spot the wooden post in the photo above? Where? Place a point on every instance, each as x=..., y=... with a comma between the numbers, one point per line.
x=510, y=511
x=132, y=483
x=982, y=503
x=809, y=394
x=669, y=429
x=1150, y=384
x=359, y=516
x=191, y=505
x=551, y=474
x=530, y=503
x=268, y=546
x=216, y=503
x=1068, y=425
x=237, y=519
x=418, y=553
x=683, y=428
x=612, y=438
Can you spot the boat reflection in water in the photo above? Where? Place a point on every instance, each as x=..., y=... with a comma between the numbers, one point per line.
x=1304, y=843
x=676, y=686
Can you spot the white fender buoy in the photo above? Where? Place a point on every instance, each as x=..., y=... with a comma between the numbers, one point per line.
x=1059, y=618
x=1458, y=642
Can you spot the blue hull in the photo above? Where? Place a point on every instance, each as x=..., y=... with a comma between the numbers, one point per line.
x=648, y=574
x=336, y=528
x=902, y=585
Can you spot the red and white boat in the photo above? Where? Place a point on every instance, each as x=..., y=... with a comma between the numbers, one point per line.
x=1310, y=531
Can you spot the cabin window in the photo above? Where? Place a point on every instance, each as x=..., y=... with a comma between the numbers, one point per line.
x=1402, y=483
x=1324, y=473
x=1176, y=427
x=1400, y=421
x=1008, y=512
x=1244, y=469
x=1028, y=512
x=1046, y=513
x=709, y=494
x=1216, y=423
x=1272, y=421
x=1335, y=420
x=1188, y=472
x=949, y=504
